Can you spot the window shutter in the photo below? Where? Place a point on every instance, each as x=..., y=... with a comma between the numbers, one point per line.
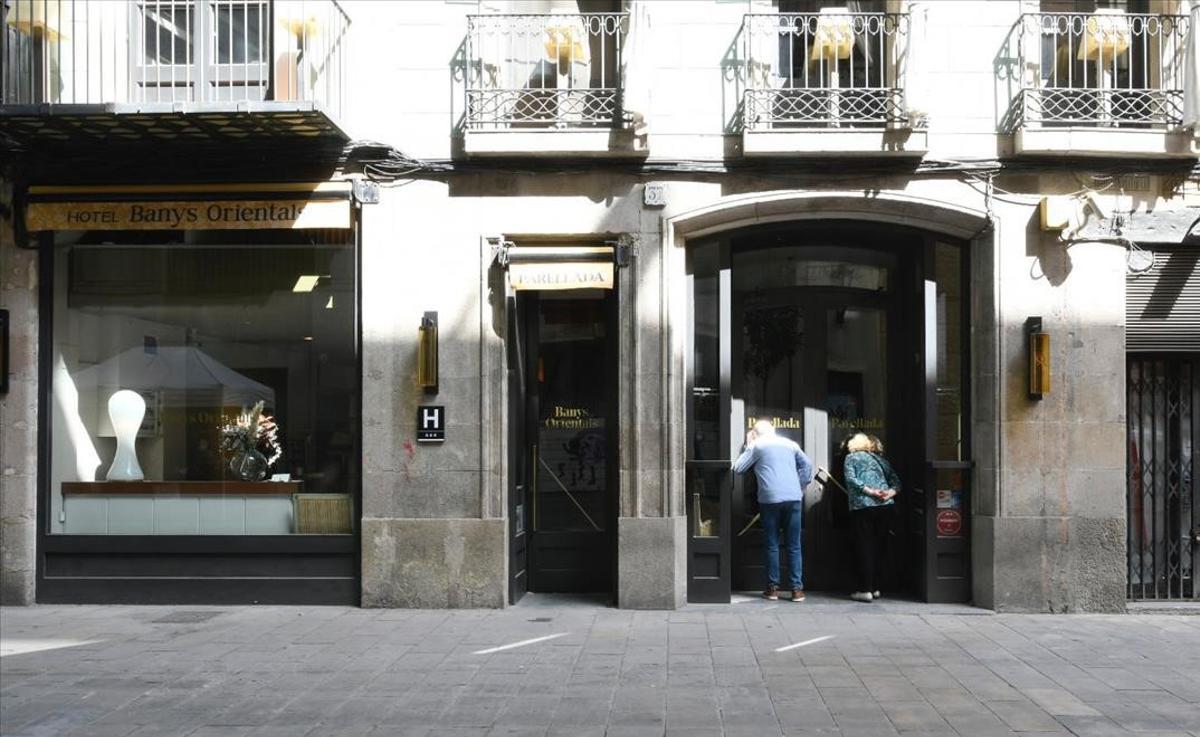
x=1162, y=305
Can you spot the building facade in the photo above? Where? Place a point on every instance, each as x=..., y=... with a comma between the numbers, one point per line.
x=510, y=280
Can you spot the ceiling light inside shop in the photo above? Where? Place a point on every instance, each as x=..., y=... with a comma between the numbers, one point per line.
x=329, y=304
x=308, y=338
x=306, y=283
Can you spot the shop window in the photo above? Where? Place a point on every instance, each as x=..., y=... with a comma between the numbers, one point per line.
x=204, y=385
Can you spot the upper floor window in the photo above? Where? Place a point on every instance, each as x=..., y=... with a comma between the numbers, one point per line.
x=170, y=51
x=556, y=66
x=1108, y=62
x=826, y=63
x=218, y=46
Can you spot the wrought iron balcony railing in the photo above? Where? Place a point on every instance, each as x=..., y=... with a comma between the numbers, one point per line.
x=825, y=70
x=172, y=54
x=545, y=71
x=1107, y=68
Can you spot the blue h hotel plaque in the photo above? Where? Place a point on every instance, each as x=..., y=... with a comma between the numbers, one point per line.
x=431, y=423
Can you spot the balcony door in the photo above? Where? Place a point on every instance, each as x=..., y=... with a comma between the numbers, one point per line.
x=201, y=50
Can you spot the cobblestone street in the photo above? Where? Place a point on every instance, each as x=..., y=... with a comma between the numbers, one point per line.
x=549, y=667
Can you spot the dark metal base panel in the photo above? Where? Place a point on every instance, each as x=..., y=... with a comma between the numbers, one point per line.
x=197, y=591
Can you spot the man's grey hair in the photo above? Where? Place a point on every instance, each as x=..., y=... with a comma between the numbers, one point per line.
x=764, y=427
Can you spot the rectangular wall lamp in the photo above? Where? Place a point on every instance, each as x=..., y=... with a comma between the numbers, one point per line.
x=1038, y=342
x=427, y=353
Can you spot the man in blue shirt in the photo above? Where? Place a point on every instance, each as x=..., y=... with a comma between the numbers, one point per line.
x=782, y=471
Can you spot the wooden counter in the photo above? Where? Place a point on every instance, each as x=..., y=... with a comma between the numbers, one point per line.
x=182, y=488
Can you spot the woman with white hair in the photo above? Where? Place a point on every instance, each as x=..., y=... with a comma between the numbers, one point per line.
x=872, y=485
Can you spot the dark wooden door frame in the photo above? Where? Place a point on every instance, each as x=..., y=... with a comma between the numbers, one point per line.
x=518, y=456
x=908, y=356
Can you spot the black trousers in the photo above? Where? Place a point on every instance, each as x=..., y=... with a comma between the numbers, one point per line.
x=870, y=527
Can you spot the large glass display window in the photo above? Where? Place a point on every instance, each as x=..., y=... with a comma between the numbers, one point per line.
x=204, y=383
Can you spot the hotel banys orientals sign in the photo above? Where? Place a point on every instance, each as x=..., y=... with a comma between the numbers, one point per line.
x=201, y=207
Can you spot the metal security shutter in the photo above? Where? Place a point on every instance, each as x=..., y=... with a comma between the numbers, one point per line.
x=1162, y=306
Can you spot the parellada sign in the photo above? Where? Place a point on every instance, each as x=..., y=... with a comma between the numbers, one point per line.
x=201, y=207
x=568, y=275
x=560, y=267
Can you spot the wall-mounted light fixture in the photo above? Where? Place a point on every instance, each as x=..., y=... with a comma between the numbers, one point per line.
x=427, y=353
x=1038, y=343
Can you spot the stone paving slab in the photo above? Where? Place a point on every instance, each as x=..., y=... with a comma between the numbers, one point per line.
x=554, y=666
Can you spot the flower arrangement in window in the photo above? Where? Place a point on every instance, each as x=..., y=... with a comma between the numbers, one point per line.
x=252, y=439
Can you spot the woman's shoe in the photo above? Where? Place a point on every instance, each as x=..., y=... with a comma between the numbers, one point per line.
x=863, y=596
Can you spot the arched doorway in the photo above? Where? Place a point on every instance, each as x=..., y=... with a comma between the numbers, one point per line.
x=824, y=328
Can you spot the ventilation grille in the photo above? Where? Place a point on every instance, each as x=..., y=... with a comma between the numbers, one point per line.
x=1162, y=306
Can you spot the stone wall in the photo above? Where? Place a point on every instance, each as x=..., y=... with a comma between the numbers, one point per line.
x=18, y=416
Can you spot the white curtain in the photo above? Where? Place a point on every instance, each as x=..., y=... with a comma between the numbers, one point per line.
x=637, y=68
x=1191, y=72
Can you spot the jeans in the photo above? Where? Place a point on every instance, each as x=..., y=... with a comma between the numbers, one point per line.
x=784, y=515
x=870, y=543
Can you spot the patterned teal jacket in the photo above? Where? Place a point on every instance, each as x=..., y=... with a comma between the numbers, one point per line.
x=869, y=469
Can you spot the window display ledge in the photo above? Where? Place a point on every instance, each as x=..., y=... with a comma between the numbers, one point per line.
x=182, y=488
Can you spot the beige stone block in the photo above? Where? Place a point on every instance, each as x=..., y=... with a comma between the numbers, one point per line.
x=1097, y=493
x=1097, y=571
x=434, y=563
x=651, y=562
x=1096, y=445
x=1033, y=492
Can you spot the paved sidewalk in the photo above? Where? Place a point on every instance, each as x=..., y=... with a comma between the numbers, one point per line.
x=549, y=667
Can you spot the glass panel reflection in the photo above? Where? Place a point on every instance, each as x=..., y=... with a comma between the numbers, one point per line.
x=948, y=273
x=571, y=451
x=705, y=486
x=856, y=373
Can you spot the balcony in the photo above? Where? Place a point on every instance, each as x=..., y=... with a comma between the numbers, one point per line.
x=78, y=71
x=828, y=83
x=1108, y=83
x=547, y=84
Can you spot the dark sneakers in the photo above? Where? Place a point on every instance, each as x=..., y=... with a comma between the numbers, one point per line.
x=772, y=593
x=797, y=594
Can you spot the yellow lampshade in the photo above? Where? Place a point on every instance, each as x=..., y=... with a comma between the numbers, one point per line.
x=1105, y=35
x=297, y=19
x=50, y=17
x=834, y=37
x=564, y=44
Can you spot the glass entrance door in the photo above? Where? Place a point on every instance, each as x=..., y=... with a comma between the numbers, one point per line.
x=815, y=363
x=567, y=514
x=825, y=330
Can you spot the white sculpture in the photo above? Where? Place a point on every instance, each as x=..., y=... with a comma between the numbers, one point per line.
x=126, y=409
